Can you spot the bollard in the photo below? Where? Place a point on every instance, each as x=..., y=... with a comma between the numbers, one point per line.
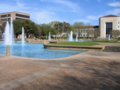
x=8, y=51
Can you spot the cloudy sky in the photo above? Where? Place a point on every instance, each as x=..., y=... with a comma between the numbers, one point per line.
x=45, y=11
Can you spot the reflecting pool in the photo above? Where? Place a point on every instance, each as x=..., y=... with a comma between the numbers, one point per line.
x=37, y=51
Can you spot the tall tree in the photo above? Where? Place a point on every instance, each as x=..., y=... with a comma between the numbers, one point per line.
x=17, y=24
x=2, y=27
x=79, y=24
x=29, y=27
x=88, y=24
x=52, y=23
x=45, y=29
x=62, y=27
x=115, y=33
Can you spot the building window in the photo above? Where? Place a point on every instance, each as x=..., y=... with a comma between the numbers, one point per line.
x=20, y=18
x=108, y=27
x=9, y=15
x=118, y=26
x=8, y=18
x=25, y=16
x=3, y=19
x=3, y=15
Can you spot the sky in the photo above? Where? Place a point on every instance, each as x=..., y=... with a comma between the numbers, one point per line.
x=71, y=11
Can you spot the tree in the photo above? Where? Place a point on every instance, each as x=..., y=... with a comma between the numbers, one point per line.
x=115, y=33
x=79, y=24
x=72, y=28
x=62, y=27
x=2, y=27
x=45, y=29
x=96, y=33
x=88, y=24
x=30, y=27
x=52, y=23
x=17, y=25
x=37, y=32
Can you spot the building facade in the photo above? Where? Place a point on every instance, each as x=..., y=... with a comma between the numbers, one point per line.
x=87, y=31
x=15, y=16
x=108, y=24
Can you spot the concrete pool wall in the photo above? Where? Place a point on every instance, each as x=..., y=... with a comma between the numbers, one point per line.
x=43, y=41
x=71, y=47
x=66, y=47
x=107, y=47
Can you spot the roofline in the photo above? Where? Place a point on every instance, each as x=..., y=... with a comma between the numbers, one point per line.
x=14, y=11
x=109, y=16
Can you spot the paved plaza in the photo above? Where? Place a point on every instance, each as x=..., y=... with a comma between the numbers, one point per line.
x=86, y=71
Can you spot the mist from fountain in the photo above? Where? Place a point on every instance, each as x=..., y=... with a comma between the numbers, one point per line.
x=6, y=34
x=76, y=37
x=9, y=33
x=23, y=38
x=70, y=37
x=49, y=37
x=108, y=37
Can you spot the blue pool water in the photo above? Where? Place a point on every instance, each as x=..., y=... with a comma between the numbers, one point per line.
x=37, y=51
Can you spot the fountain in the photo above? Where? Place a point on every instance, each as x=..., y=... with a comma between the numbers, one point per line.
x=49, y=37
x=23, y=39
x=11, y=32
x=8, y=33
x=70, y=37
x=108, y=37
x=76, y=37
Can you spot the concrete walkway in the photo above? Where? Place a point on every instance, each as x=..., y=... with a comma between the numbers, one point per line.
x=104, y=65
x=26, y=79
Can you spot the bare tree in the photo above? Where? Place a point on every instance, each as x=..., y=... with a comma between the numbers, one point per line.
x=96, y=33
x=115, y=33
x=76, y=24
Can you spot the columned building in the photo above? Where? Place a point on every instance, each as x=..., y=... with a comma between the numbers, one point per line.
x=15, y=16
x=87, y=31
x=107, y=24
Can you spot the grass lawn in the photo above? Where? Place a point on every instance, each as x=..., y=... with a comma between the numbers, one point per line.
x=87, y=43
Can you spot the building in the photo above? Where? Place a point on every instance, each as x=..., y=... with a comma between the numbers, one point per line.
x=87, y=31
x=15, y=16
x=108, y=24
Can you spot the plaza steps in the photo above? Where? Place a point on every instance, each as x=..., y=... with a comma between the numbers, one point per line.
x=112, y=49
